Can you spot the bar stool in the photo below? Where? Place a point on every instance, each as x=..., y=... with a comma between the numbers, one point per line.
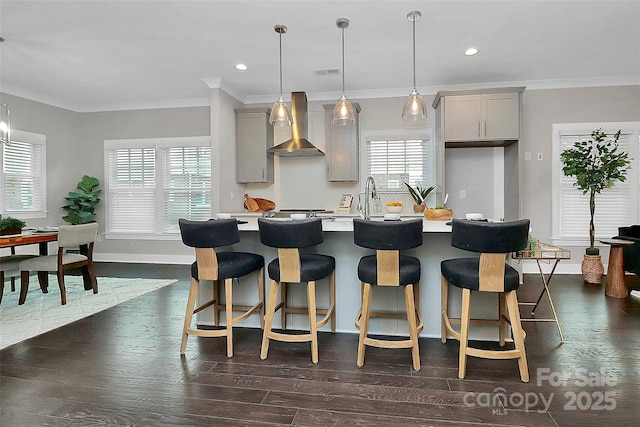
x=205, y=237
x=489, y=273
x=388, y=268
x=292, y=266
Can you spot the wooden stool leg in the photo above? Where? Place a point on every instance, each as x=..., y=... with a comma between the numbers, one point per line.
x=464, y=332
x=283, y=299
x=191, y=303
x=332, y=300
x=268, y=319
x=216, y=302
x=313, y=321
x=228, y=295
x=413, y=331
x=502, y=326
x=444, y=298
x=364, y=321
x=261, y=296
x=518, y=334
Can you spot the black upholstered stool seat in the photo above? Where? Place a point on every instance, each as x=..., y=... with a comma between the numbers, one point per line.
x=463, y=273
x=389, y=268
x=205, y=237
x=233, y=264
x=313, y=267
x=294, y=266
x=409, y=270
x=488, y=273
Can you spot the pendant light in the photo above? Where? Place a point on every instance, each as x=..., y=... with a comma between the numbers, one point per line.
x=5, y=124
x=414, y=109
x=343, y=112
x=280, y=115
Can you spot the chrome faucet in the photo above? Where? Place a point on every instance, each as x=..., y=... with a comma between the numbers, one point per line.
x=369, y=188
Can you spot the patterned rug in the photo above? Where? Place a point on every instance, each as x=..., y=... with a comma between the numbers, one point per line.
x=43, y=312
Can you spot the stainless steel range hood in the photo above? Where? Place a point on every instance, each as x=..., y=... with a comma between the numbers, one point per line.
x=298, y=145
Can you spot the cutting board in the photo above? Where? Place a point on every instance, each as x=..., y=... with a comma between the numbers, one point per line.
x=258, y=204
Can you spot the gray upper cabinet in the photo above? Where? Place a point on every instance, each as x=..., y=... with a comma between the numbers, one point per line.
x=342, y=148
x=473, y=116
x=254, y=135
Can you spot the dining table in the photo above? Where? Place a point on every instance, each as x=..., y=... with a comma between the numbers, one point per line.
x=42, y=239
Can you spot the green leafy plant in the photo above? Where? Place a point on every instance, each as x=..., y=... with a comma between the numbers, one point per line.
x=81, y=207
x=597, y=164
x=419, y=194
x=11, y=224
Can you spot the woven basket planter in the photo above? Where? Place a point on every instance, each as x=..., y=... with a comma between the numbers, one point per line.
x=592, y=269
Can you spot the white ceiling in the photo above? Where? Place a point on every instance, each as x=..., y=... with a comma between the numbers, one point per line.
x=102, y=55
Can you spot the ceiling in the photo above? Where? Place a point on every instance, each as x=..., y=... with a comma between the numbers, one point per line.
x=106, y=55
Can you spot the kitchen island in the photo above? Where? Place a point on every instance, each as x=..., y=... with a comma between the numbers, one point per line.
x=338, y=242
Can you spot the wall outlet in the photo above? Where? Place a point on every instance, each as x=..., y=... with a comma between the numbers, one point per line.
x=539, y=156
x=463, y=194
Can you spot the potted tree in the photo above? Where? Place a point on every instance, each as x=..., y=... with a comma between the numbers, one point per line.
x=81, y=207
x=419, y=195
x=596, y=164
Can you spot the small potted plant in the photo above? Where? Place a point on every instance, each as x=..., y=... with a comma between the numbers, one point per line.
x=81, y=207
x=597, y=164
x=419, y=195
x=10, y=225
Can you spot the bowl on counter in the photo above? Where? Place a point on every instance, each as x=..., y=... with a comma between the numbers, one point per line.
x=394, y=209
x=298, y=216
x=474, y=216
x=392, y=217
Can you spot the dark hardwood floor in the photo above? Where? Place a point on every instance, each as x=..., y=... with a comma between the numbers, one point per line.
x=122, y=367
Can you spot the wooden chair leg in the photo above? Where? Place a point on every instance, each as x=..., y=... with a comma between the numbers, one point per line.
x=444, y=298
x=24, y=286
x=13, y=283
x=283, y=299
x=364, y=321
x=2, y=285
x=43, y=280
x=313, y=320
x=268, y=318
x=464, y=332
x=191, y=303
x=518, y=334
x=228, y=293
x=63, y=290
x=413, y=330
x=92, y=277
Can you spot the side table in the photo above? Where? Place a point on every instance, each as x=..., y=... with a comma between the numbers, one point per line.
x=616, y=286
x=544, y=253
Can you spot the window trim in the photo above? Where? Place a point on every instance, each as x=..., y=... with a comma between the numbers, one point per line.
x=633, y=176
x=36, y=139
x=156, y=143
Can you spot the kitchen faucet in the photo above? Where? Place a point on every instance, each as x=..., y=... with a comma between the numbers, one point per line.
x=369, y=187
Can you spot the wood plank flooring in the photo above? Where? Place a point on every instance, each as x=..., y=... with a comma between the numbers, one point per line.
x=122, y=367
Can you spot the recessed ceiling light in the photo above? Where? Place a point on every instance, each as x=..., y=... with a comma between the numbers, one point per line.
x=241, y=67
x=471, y=51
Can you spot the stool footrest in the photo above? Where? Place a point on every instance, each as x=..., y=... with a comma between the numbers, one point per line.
x=289, y=337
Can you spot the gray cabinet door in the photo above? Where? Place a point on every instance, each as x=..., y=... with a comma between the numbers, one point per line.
x=493, y=116
x=254, y=135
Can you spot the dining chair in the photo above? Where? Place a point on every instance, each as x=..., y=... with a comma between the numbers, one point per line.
x=82, y=237
x=494, y=241
x=215, y=265
x=9, y=268
x=388, y=268
x=293, y=266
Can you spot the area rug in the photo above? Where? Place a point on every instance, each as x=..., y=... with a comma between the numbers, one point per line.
x=43, y=312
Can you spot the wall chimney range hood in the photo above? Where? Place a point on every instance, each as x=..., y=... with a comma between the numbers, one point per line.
x=298, y=145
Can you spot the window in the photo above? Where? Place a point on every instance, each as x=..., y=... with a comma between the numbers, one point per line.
x=23, y=178
x=153, y=182
x=615, y=207
x=392, y=161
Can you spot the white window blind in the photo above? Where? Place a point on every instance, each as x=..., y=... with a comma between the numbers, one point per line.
x=392, y=161
x=153, y=182
x=615, y=207
x=24, y=175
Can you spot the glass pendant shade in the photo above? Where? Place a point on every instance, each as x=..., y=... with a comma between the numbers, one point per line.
x=343, y=112
x=414, y=109
x=5, y=124
x=280, y=114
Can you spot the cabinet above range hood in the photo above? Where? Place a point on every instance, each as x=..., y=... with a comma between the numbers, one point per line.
x=298, y=145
